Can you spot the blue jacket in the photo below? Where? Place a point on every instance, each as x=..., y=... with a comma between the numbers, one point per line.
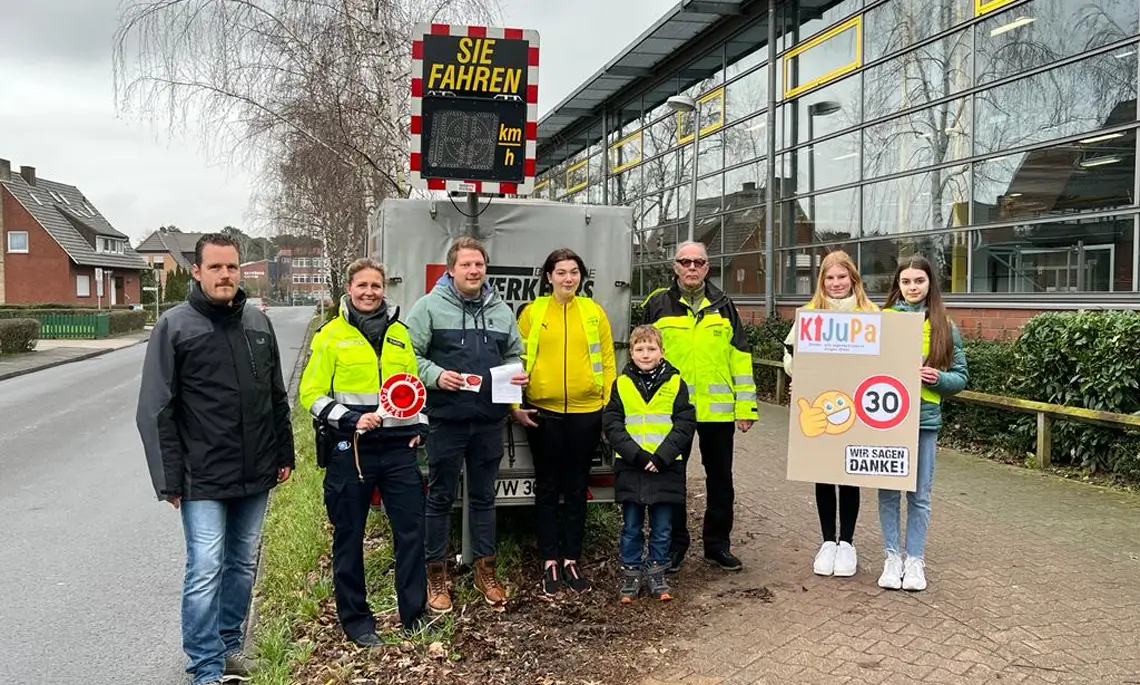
x=950, y=382
x=451, y=333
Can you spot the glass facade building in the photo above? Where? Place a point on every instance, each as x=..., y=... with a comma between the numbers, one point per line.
x=998, y=138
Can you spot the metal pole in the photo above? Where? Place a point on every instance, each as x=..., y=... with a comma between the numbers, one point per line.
x=466, y=555
x=811, y=191
x=770, y=200
x=473, y=214
x=696, y=170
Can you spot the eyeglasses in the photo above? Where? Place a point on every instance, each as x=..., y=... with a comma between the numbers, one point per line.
x=687, y=263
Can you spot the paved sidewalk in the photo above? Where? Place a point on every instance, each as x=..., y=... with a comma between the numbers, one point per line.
x=1033, y=579
x=49, y=353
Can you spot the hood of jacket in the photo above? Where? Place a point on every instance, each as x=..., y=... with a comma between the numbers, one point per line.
x=216, y=311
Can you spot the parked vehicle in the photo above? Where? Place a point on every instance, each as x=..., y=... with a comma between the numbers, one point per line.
x=258, y=302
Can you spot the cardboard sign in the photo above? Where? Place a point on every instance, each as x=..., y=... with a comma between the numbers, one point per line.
x=855, y=398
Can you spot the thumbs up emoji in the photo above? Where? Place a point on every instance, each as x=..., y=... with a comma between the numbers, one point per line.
x=813, y=421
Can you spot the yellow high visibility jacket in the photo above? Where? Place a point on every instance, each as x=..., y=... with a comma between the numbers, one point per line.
x=649, y=423
x=710, y=349
x=344, y=376
x=569, y=355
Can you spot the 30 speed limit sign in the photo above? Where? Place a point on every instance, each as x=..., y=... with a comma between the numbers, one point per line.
x=882, y=402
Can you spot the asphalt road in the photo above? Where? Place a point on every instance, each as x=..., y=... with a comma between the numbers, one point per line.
x=91, y=564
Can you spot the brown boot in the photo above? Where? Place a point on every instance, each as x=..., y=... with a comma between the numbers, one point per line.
x=488, y=584
x=439, y=596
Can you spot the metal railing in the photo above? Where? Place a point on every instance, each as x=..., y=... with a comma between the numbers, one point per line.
x=1046, y=413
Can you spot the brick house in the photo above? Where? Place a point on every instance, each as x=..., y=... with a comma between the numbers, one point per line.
x=57, y=246
x=166, y=251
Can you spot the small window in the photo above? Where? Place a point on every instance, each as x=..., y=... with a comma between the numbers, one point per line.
x=83, y=286
x=36, y=198
x=17, y=241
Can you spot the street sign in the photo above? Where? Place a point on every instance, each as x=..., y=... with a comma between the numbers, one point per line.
x=150, y=288
x=474, y=118
x=855, y=402
x=402, y=396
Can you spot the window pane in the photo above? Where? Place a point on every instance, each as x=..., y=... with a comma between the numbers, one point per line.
x=1073, y=99
x=880, y=258
x=626, y=187
x=744, y=230
x=745, y=141
x=931, y=136
x=901, y=23
x=920, y=202
x=1076, y=255
x=746, y=95
x=826, y=164
x=82, y=286
x=744, y=274
x=924, y=75
x=744, y=185
x=1045, y=31
x=797, y=270
x=824, y=58
x=650, y=277
x=832, y=108
x=1059, y=180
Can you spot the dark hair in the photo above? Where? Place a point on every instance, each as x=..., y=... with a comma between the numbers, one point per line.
x=562, y=254
x=941, y=352
x=219, y=239
x=464, y=243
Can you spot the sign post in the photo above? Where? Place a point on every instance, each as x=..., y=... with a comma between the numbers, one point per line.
x=856, y=397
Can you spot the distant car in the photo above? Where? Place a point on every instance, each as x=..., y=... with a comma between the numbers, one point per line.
x=259, y=303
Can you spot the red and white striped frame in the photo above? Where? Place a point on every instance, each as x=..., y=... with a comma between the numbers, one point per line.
x=474, y=186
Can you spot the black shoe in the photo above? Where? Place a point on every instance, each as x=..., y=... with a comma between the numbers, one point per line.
x=632, y=578
x=573, y=578
x=367, y=640
x=658, y=586
x=676, y=560
x=725, y=560
x=551, y=583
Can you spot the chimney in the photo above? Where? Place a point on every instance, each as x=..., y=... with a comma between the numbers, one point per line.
x=748, y=187
x=5, y=170
x=29, y=174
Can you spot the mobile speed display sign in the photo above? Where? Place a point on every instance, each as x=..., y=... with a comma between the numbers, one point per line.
x=855, y=398
x=474, y=118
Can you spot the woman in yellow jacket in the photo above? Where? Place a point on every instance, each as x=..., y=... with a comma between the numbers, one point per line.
x=570, y=360
x=840, y=288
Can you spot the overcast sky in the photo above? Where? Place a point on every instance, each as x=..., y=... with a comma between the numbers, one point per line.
x=57, y=108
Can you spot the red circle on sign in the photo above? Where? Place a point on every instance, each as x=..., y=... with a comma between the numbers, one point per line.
x=882, y=402
x=474, y=380
x=403, y=395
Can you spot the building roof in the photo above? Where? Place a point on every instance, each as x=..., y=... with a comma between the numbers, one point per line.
x=72, y=221
x=178, y=245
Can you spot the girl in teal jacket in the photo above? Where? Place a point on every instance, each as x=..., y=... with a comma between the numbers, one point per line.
x=915, y=289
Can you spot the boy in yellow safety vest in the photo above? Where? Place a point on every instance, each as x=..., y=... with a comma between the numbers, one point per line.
x=649, y=422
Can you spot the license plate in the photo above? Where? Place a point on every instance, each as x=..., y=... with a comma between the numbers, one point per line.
x=514, y=488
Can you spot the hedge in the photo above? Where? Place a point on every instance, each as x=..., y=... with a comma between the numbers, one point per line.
x=18, y=335
x=127, y=322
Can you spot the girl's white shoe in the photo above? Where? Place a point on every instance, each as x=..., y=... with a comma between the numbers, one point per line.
x=914, y=575
x=825, y=559
x=846, y=561
x=892, y=576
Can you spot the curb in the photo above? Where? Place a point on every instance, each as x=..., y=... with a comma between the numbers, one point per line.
x=86, y=355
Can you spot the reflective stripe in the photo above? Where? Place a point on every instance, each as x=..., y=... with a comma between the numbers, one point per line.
x=691, y=388
x=743, y=380
x=336, y=414
x=654, y=439
x=597, y=367
x=595, y=348
x=369, y=399
x=393, y=422
x=319, y=405
x=720, y=389
x=639, y=419
x=722, y=407
x=746, y=396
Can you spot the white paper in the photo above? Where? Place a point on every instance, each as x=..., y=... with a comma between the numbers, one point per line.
x=502, y=392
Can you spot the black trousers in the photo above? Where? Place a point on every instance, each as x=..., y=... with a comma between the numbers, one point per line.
x=825, y=503
x=716, y=456
x=391, y=466
x=563, y=446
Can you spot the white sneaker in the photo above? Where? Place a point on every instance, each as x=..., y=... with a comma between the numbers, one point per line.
x=914, y=575
x=846, y=561
x=825, y=559
x=892, y=572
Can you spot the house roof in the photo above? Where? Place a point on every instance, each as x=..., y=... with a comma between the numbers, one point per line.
x=74, y=222
x=175, y=243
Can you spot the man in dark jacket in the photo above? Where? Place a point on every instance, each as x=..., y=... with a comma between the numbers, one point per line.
x=213, y=415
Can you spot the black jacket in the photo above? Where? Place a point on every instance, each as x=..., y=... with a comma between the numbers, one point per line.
x=634, y=483
x=213, y=412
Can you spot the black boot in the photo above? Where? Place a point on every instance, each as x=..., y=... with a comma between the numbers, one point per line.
x=658, y=586
x=631, y=579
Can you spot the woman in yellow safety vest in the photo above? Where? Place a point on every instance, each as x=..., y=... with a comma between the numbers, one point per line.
x=351, y=356
x=570, y=360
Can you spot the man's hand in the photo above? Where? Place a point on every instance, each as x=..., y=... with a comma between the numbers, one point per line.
x=283, y=474
x=929, y=375
x=415, y=441
x=175, y=500
x=745, y=424
x=649, y=466
x=523, y=416
x=450, y=380
x=520, y=379
x=368, y=421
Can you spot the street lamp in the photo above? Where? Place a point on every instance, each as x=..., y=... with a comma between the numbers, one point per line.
x=822, y=108
x=686, y=104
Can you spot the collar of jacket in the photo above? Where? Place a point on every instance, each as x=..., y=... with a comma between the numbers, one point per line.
x=715, y=295
x=447, y=288
x=216, y=311
x=648, y=386
x=904, y=306
x=372, y=325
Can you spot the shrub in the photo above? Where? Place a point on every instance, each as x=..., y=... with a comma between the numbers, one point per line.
x=18, y=335
x=993, y=369
x=126, y=321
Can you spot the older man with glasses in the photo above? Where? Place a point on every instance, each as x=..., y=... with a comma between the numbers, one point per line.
x=705, y=339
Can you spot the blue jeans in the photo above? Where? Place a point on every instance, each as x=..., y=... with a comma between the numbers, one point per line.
x=450, y=445
x=222, y=538
x=917, y=503
x=633, y=535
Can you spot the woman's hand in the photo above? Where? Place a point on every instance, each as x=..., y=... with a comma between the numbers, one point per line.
x=368, y=421
x=523, y=416
x=650, y=467
x=929, y=375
